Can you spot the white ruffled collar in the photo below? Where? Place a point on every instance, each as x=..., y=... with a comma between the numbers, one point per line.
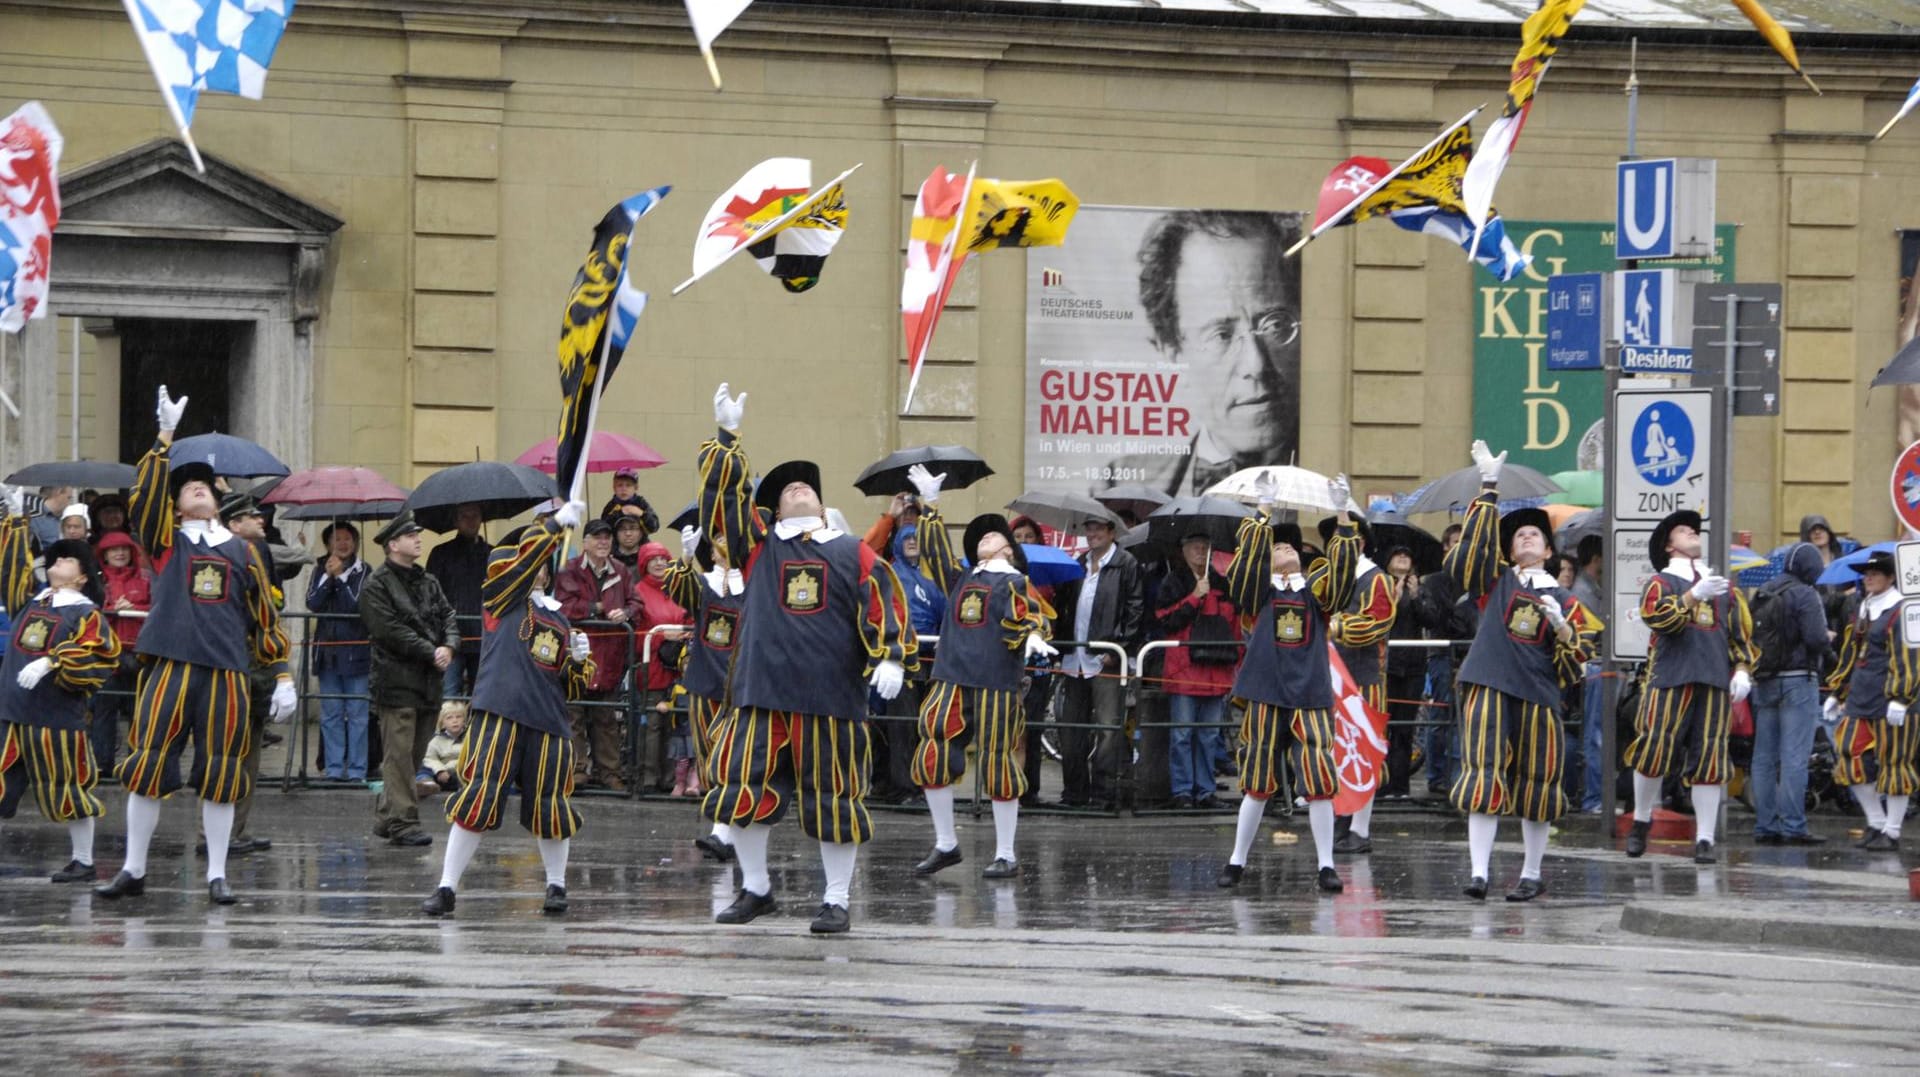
x=541, y=599
x=998, y=564
x=1291, y=582
x=58, y=597
x=725, y=581
x=1535, y=579
x=800, y=525
x=1875, y=605
x=205, y=532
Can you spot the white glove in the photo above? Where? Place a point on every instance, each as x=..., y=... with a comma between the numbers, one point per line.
x=284, y=701
x=32, y=673
x=169, y=410
x=579, y=646
x=1896, y=714
x=570, y=514
x=1039, y=648
x=1830, y=712
x=925, y=482
x=1709, y=587
x=1266, y=488
x=887, y=678
x=1488, y=463
x=16, y=501
x=1342, y=492
x=728, y=409
x=689, y=538
x=1742, y=684
x=1556, y=616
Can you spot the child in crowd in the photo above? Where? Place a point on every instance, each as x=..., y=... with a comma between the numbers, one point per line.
x=686, y=772
x=440, y=767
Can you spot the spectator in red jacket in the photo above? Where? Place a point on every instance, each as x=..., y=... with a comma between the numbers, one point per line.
x=128, y=584
x=1195, y=610
x=595, y=587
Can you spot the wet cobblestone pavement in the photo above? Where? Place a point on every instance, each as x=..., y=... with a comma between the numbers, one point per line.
x=1113, y=951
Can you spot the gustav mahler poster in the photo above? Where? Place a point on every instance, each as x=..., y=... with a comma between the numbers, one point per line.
x=1163, y=347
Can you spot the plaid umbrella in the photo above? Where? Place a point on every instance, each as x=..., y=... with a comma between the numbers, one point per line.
x=1299, y=488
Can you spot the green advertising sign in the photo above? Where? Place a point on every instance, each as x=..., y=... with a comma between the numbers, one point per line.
x=1546, y=419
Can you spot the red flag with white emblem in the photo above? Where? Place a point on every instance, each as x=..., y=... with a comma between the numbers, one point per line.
x=1359, y=740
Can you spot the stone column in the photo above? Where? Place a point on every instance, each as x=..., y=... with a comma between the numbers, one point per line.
x=1821, y=171
x=455, y=100
x=940, y=111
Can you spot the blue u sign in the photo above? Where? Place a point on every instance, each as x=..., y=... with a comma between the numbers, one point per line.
x=1662, y=444
x=1644, y=208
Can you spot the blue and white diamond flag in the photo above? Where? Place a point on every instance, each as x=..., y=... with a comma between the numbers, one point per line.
x=220, y=45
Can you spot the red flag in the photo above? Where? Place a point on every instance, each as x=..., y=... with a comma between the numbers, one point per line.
x=932, y=265
x=1359, y=740
x=1351, y=180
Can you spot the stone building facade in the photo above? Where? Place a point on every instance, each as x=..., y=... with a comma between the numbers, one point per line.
x=386, y=240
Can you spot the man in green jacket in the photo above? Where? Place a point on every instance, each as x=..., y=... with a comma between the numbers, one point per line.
x=414, y=634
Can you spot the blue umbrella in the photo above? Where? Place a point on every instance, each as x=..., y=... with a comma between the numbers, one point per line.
x=1760, y=574
x=226, y=455
x=1049, y=566
x=1844, y=571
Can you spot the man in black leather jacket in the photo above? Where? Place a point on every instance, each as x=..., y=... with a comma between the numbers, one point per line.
x=1110, y=606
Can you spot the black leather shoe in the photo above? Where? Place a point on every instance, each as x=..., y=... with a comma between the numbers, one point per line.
x=74, y=872
x=1329, y=881
x=1769, y=839
x=411, y=839
x=1208, y=803
x=937, y=860
x=219, y=892
x=556, y=902
x=1001, y=868
x=1804, y=839
x=1637, y=838
x=1476, y=889
x=830, y=920
x=1527, y=890
x=1881, y=842
x=123, y=885
x=250, y=845
x=438, y=903
x=1229, y=876
x=1182, y=804
x=1866, y=840
x=1352, y=843
x=746, y=907
x=714, y=849
x=1703, y=852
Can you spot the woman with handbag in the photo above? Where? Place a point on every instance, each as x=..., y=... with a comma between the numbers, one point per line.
x=1199, y=673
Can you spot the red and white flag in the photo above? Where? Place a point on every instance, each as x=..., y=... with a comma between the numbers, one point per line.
x=1359, y=740
x=29, y=210
x=932, y=264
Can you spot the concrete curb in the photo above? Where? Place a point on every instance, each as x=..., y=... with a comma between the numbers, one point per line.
x=1894, y=936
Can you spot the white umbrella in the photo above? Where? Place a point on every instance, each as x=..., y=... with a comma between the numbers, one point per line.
x=1299, y=488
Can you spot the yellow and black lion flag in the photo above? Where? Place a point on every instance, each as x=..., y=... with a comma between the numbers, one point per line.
x=602, y=309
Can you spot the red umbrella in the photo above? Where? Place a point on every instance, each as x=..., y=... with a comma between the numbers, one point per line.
x=609, y=452
x=344, y=492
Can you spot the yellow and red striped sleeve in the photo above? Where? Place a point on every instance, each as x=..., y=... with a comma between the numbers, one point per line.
x=16, y=563
x=1373, y=621
x=1475, y=562
x=727, y=513
x=884, y=624
x=150, y=507
x=508, y=582
x=1250, y=573
x=84, y=660
x=268, y=640
x=1028, y=615
x=1663, y=607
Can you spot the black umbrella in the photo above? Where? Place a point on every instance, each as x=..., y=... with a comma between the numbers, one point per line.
x=1902, y=369
x=226, y=454
x=1391, y=529
x=1136, y=499
x=501, y=490
x=1060, y=510
x=1454, y=491
x=685, y=518
x=98, y=474
x=1137, y=540
x=962, y=466
x=1579, y=526
x=1170, y=524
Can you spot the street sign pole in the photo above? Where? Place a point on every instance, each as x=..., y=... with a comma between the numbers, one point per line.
x=1609, y=683
x=1720, y=481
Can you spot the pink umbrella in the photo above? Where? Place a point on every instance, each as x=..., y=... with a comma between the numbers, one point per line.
x=336, y=493
x=609, y=452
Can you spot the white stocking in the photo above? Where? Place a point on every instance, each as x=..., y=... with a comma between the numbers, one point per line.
x=940, y=806
x=1896, y=813
x=1363, y=819
x=553, y=853
x=1480, y=834
x=80, y=833
x=750, y=845
x=217, y=820
x=1251, y=809
x=723, y=832
x=1865, y=793
x=1533, y=835
x=461, y=844
x=1320, y=820
x=1706, y=812
x=1646, y=797
x=1006, y=819
x=143, y=818
x=837, y=858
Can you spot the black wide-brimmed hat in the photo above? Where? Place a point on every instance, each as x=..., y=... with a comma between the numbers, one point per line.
x=1332, y=523
x=191, y=471
x=1881, y=562
x=767, y=496
x=1289, y=533
x=991, y=523
x=1657, y=545
x=81, y=552
x=1519, y=518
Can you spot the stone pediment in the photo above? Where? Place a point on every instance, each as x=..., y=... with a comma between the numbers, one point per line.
x=154, y=191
